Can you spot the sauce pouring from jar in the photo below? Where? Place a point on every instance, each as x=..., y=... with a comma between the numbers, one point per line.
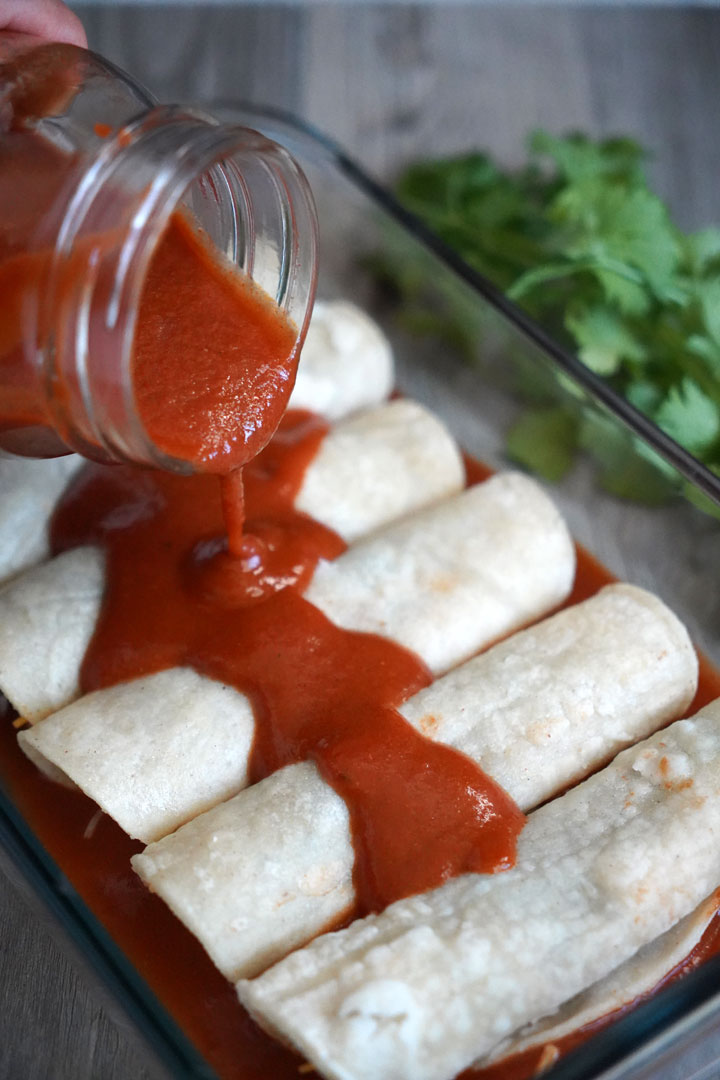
x=156, y=272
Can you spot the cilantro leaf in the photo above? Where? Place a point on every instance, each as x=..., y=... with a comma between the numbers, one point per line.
x=689, y=416
x=603, y=339
x=621, y=229
x=701, y=249
x=708, y=293
x=579, y=239
x=578, y=157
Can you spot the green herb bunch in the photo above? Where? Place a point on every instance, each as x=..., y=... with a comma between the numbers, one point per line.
x=578, y=239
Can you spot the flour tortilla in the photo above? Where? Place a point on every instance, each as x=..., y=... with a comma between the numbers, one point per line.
x=544, y=707
x=450, y=579
x=601, y=872
x=547, y=706
x=633, y=980
x=73, y=740
x=346, y=362
x=47, y=617
x=240, y=854
x=153, y=752
x=380, y=465
x=29, y=491
x=48, y=614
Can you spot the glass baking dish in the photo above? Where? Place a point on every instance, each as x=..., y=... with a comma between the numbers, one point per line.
x=479, y=389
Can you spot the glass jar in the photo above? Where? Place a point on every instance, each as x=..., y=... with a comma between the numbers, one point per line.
x=91, y=171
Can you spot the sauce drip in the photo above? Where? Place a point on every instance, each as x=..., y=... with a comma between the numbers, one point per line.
x=421, y=812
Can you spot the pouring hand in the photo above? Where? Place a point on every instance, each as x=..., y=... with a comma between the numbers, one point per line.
x=49, y=20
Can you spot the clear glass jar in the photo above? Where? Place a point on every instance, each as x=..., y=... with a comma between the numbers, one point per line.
x=91, y=170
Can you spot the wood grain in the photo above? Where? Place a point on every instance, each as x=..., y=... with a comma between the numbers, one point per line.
x=391, y=83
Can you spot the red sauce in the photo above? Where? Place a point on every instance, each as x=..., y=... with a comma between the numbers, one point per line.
x=167, y=957
x=214, y=359
x=32, y=173
x=37, y=81
x=421, y=811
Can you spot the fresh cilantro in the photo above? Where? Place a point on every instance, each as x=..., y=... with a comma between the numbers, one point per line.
x=579, y=239
x=689, y=416
x=603, y=338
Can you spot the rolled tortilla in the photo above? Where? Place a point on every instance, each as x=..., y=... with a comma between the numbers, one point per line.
x=100, y=753
x=346, y=362
x=478, y=565
x=553, y=703
x=601, y=872
x=29, y=491
x=226, y=873
x=634, y=980
x=47, y=616
x=379, y=465
x=537, y=711
x=152, y=752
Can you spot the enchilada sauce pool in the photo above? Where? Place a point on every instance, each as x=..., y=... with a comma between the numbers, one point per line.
x=94, y=853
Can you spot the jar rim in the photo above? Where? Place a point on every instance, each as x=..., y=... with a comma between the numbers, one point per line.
x=187, y=144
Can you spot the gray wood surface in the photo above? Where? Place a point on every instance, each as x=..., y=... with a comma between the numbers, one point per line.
x=391, y=83
x=394, y=82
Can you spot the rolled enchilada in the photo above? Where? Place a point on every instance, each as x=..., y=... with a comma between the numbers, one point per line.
x=29, y=491
x=480, y=563
x=346, y=362
x=627, y=984
x=601, y=872
x=265, y=872
x=47, y=615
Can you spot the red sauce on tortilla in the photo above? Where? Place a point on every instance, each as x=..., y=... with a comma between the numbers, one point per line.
x=94, y=853
x=421, y=812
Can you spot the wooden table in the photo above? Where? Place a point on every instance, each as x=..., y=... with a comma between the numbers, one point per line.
x=391, y=83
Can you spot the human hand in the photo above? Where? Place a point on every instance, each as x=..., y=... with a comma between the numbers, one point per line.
x=48, y=20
